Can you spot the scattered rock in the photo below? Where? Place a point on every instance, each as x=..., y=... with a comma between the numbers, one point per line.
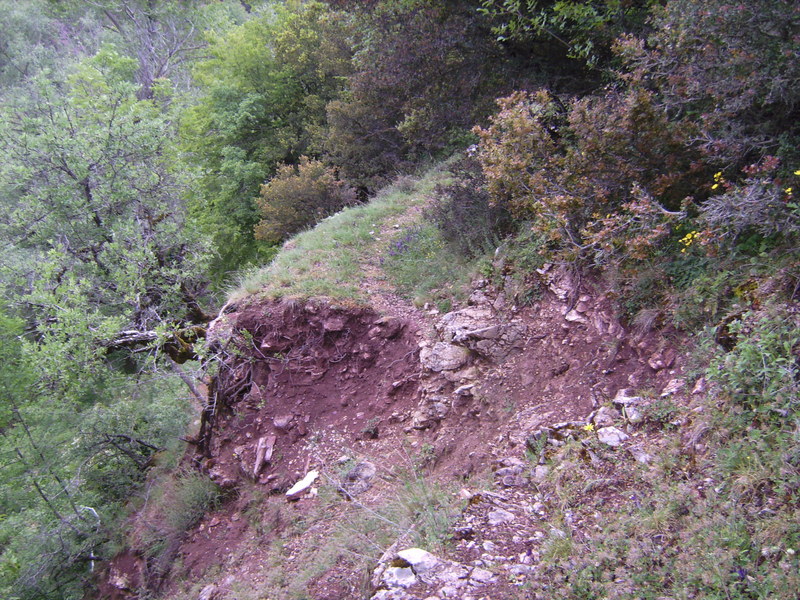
x=500, y=516
x=541, y=472
x=624, y=397
x=359, y=479
x=673, y=387
x=640, y=455
x=283, y=422
x=482, y=576
x=420, y=560
x=605, y=416
x=611, y=436
x=302, y=486
x=574, y=316
x=399, y=577
x=662, y=359
x=633, y=414
x=443, y=357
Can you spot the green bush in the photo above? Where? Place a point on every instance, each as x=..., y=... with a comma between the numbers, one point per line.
x=464, y=214
x=298, y=197
x=761, y=371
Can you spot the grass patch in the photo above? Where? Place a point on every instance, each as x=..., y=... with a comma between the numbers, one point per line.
x=421, y=266
x=331, y=259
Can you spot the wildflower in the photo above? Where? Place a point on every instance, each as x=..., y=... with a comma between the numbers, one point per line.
x=797, y=172
x=715, y=186
x=788, y=191
x=588, y=427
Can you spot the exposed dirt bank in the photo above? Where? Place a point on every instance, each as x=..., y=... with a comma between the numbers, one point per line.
x=303, y=387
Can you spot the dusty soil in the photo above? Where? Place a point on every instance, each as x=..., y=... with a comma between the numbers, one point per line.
x=333, y=384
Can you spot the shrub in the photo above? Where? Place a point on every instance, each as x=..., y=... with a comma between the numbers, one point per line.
x=464, y=215
x=298, y=197
x=761, y=371
x=758, y=205
x=591, y=174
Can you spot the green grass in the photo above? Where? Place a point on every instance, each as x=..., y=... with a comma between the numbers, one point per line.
x=331, y=259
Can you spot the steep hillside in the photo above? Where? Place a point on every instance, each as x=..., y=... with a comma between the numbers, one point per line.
x=521, y=445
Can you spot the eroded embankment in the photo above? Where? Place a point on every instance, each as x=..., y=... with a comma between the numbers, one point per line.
x=289, y=370
x=466, y=397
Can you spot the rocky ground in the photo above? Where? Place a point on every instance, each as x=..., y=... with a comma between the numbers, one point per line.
x=316, y=409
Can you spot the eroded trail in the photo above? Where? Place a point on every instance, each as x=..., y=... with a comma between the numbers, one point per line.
x=372, y=406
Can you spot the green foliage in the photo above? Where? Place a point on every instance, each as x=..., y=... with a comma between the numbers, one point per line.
x=91, y=196
x=424, y=72
x=761, y=371
x=468, y=222
x=263, y=92
x=298, y=197
x=584, y=30
x=594, y=176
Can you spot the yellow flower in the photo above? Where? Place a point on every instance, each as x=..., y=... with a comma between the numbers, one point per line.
x=788, y=191
x=717, y=175
x=797, y=172
x=588, y=427
x=715, y=186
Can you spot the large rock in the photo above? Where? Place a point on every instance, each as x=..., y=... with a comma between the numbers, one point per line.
x=443, y=357
x=418, y=559
x=479, y=329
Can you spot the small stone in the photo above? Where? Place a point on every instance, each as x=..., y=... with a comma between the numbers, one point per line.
x=283, y=422
x=624, y=398
x=605, y=416
x=482, y=575
x=611, y=436
x=302, y=486
x=399, y=577
x=489, y=546
x=574, y=316
x=500, y=516
x=541, y=472
x=674, y=386
x=640, y=455
x=420, y=560
x=521, y=570
x=633, y=414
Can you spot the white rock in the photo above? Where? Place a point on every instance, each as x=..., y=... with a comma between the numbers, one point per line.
x=611, y=436
x=500, y=516
x=399, y=577
x=302, y=486
x=419, y=559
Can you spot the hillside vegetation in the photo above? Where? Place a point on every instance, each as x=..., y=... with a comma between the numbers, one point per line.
x=162, y=159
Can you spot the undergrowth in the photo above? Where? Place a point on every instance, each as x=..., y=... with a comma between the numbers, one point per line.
x=717, y=513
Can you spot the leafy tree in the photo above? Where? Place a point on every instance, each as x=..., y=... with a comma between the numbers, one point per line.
x=263, y=92
x=92, y=202
x=584, y=30
x=424, y=72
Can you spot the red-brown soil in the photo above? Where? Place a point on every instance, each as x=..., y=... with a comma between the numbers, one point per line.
x=329, y=382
